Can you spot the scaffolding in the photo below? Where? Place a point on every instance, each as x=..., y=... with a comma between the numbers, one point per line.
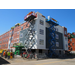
x=52, y=36
x=29, y=37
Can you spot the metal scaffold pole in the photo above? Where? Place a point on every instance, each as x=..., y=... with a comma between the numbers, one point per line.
x=29, y=37
x=52, y=38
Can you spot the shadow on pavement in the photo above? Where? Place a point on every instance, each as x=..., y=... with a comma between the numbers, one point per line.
x=66, y=57
x=3, y=61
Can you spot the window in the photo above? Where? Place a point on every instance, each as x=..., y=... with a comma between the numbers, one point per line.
x=21, y=35
x=6, y=45
x=41, y=42
x=65, y=32
x=10, y=33
x=57, y=44
x=21, y=27
x=56, y=29
x=41, y=31
x=1, y=37
x=7, y=39
x=41, y=22
x=17, y=33
x=66, y=39
x=17, y=39
x=57, y=37
x=73, y=44
x=70, y=39
x=7, y=34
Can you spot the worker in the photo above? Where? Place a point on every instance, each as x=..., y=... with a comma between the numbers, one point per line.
x=4, y=53
x=24, y=54
x=8, y=55
x=11, y=55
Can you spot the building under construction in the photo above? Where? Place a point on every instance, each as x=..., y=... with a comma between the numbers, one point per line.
x=39, y=35
x=44, y=35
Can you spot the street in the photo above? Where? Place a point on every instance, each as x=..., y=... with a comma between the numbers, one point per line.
x=51, y=61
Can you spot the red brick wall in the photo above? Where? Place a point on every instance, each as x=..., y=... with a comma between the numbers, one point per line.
x=15, y=36
x=71, y=44
x=4, y=40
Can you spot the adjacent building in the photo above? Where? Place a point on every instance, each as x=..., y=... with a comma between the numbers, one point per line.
x=71, y=41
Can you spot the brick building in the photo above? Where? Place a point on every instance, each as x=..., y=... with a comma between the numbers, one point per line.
x=39, y=34
x=13, y=35
x=71, y=41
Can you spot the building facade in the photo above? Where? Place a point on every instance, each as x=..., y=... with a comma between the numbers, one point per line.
x=71, y=41
x=12, y=36
x=37, y=38
x=42, y=35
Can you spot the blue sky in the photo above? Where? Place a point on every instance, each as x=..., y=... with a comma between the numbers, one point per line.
x=9, y=17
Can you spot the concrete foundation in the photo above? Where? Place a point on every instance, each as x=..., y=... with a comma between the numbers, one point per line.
x=60, y=53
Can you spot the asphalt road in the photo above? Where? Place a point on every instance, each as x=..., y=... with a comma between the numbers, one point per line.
x=51, y=61
x=3, y=61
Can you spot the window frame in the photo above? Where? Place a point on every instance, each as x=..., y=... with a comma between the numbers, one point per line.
x=41, y=41
x=57, y=36
x=65, y=32
x=21, y=34
x=41, y=31
x=41, y=22
x=57, y=44
x=17, y=32
x=73, y=43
